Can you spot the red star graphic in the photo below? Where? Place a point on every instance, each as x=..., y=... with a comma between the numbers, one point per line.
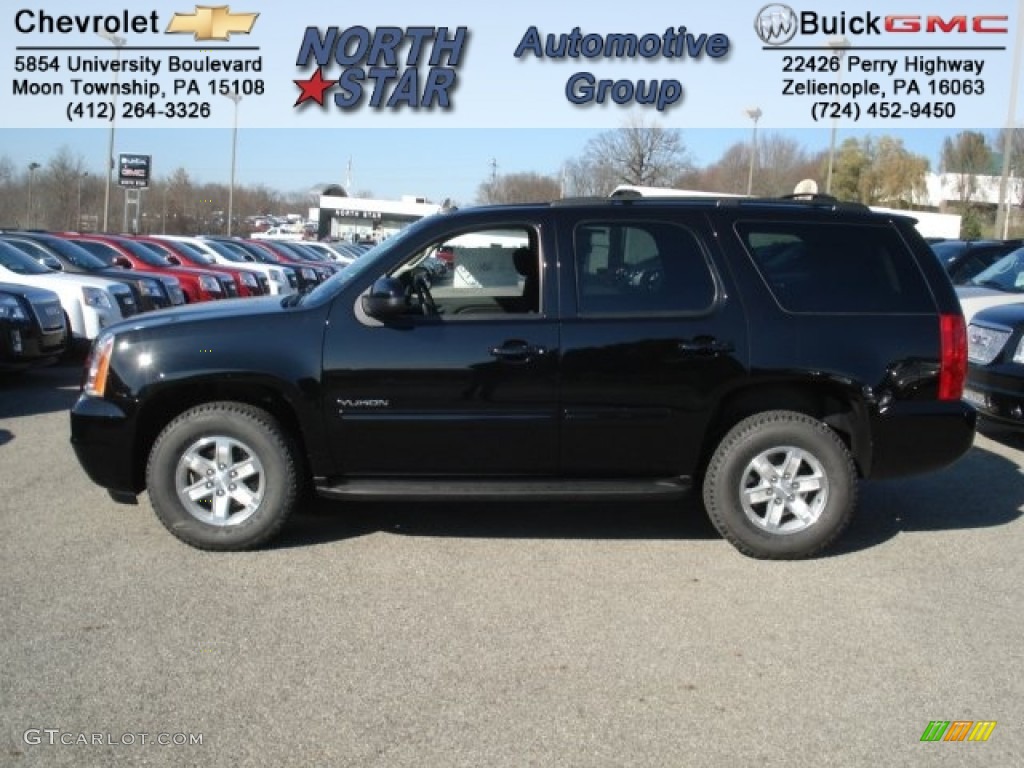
x=313, y=88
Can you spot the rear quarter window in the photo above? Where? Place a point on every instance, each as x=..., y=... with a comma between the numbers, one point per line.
x=833, y=268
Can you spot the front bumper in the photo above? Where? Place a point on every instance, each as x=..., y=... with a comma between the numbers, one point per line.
x=102, y=438
x=997, y=391
x=22, y=346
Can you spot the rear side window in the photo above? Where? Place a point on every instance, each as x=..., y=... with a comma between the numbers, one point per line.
x=822, y=267
x=641, y=268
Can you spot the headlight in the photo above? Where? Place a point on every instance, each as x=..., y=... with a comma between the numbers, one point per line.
x=177, y=295
x=150, y=287
x=277, y=275
x=11, y=309
x=96, y=297
x=209, y=283
x=1018, y=356
x=99, y=365
x=249, y=280
x=309, y=274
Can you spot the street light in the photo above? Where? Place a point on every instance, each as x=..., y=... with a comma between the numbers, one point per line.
x=1011, y=120
x=118, y=42
x=839, y=44
x=754, y=113
x=81, y=176
x=235, y=97
x=32, y=167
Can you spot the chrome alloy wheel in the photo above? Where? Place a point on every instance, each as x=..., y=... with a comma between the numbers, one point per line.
x=784, y=490
x=220, y=481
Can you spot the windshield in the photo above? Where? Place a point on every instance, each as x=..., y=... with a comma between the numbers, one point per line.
x=948, y=251
x=19, y=262
x=190, y=252
x=237, y=249
x=75, y=254
x=150, y=256
x=1007, y=274
x=224, y=251
x=102, y=251
x=257, y=253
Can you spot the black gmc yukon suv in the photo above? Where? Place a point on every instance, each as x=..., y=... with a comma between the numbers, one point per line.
x=767, y=352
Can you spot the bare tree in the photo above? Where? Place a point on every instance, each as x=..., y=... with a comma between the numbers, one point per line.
x=966, y=156
x=639, y=153
x=1016, y=136
x=58, y=190
x=519, y=188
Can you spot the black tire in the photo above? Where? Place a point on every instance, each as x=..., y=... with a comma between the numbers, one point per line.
x=759, y=507
x=219, y=439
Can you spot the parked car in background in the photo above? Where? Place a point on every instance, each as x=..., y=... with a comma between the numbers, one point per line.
x=150, y=292
x=995, y=378
x=1001, y=283
x=90, y=304
x=245, y=282
x=197, y=284
x=964, y=259
x=257, y=251
x=273, y=279
x=33, y=330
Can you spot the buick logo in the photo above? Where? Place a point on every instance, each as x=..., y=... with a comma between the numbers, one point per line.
x=776, y=24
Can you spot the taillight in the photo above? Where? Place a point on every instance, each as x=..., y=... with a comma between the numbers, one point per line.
x=953, y=360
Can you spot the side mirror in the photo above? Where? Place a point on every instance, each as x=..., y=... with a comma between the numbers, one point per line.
x=121, y=261
x=174, y=260
x=385, y=299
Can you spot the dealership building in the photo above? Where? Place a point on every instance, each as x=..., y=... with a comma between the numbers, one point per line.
x=355, y=218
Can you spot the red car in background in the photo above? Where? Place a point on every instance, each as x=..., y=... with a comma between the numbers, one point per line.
x=245, y=281
x=198, y=284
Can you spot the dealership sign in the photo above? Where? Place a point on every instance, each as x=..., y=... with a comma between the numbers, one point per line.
x=133, y=170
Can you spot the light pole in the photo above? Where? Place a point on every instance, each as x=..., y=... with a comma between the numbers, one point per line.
x=235, y=97
x=32, y=167
x=81, y=176
x=754, y=113
x=1011, y=121
x=839, y=44
x=118, y=43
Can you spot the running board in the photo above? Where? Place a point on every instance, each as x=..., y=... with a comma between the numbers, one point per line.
x=455, y=489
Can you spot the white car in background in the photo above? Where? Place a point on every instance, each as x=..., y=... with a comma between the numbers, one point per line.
x=274, y=279
x=1001, y=283
x=90, y=303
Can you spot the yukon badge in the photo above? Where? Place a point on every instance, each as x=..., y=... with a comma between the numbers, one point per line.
x=363, y=403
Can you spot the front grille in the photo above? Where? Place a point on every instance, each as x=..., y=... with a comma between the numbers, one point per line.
x=126, y=303
x=264, y=284
x=230, y=289
x=49, y=314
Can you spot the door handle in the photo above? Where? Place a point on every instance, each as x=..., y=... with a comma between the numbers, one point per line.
x=705, y=345
x=517, y=351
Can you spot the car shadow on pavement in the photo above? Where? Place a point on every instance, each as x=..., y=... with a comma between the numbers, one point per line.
x=982, y=490
x=40, y=390
x=321, y=522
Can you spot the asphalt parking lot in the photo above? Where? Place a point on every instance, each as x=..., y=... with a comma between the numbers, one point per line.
x=501, y=635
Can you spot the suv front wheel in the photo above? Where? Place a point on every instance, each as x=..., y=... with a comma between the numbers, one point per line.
x=223, y=476
x=780, y=485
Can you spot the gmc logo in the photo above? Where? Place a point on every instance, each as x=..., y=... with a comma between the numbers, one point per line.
x=961, y=24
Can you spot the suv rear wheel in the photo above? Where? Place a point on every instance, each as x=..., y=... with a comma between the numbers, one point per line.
x=223, y=476
x=780, y=485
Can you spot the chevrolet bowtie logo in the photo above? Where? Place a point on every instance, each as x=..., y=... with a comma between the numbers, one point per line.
x=212, y=22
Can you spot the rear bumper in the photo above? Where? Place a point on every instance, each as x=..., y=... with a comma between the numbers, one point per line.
x=914, y=437
x=997, y=391
x=102, y=437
